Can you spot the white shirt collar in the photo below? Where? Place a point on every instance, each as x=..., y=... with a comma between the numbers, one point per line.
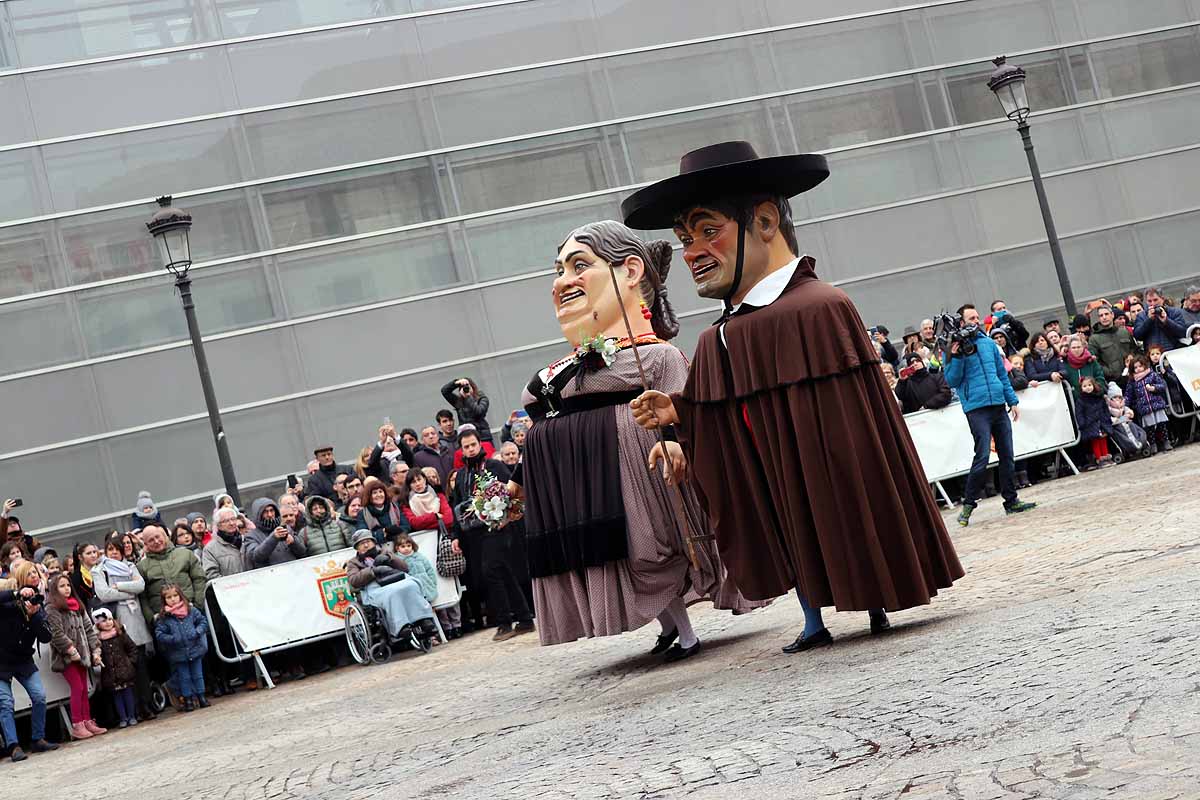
x=769, y=289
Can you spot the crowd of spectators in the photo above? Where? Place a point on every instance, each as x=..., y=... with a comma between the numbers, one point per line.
x=126, y=614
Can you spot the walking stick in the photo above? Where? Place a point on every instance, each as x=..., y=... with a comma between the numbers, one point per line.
x=680, y=505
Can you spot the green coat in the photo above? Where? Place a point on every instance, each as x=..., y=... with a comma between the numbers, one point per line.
x=1110, y=346
x=176, y=565
x=1091, y=369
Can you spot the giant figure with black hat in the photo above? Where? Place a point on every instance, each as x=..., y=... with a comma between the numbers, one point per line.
x=786, y=390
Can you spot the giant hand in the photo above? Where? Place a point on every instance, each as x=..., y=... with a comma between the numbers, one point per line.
x=674, y=463
x=654, y=409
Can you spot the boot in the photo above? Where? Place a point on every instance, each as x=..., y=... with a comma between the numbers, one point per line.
x=187, y=705
x=17, y=754
x=80, y=731
x=202, y=701
x=93, y=728
x=43, y=746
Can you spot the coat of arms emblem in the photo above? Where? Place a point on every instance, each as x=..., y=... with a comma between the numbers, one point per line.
x=334, y=587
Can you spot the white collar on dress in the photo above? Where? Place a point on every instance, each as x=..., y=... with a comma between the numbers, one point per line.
x=769, y=289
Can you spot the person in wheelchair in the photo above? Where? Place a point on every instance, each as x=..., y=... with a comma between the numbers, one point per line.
x=381, y=578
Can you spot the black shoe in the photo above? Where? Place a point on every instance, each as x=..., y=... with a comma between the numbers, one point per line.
x=880, y=623
x=524, y=627
x=1018, y=507
x=677, y=653
x=17, y=754
x=819, y=639
x=664, y=643
x=187, y=705
x=202, y=702
x=218, y=690
x=43, y=746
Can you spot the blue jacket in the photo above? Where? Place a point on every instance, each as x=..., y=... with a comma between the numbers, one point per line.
x=421, y=568
x=980, y=378
x=1155, y=331
x=1091, y=413
x=1038, y=370
x=182, y=640
x=1141, y=399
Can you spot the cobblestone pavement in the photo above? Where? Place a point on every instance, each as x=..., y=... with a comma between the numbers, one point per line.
x=1063, y=666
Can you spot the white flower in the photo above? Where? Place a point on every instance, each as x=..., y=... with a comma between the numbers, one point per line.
x=608, y=351
x=495, y=508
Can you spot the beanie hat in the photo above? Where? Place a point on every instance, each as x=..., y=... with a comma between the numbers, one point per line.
x=909, y=358
x=40, y=554
x=101, y=614
x=144, y=507
x=1080, y=321
x=192, y=517
x=361, y=535
x=1114, y=390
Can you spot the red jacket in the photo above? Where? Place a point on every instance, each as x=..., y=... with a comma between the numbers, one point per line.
x=488, y=449
x=429, y=522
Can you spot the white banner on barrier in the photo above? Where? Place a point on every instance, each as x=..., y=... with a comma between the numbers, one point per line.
x=287, y=602
x=1186, y=363
x=945, y=445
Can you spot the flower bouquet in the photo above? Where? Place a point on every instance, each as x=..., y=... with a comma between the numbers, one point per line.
x=596, y=352
x=492, y=504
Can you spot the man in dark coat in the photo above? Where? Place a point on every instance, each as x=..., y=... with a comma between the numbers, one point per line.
x=1159, y=323
x=796, y=444
x=321, y=481
x=433, y=452
x=919, y=388
x=1111, y=344
x=472, y=532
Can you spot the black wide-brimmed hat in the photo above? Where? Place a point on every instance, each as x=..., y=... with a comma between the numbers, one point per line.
x=721, y=170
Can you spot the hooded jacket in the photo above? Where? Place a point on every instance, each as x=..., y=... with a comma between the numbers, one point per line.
x=182, y=640
x=70, y=629
x=1110, y=344
x=471, y=410
x=980, y=378
x=922, y=389
x=1141, y=399
x=174, y=565
x=260, y=548
x=330, y=533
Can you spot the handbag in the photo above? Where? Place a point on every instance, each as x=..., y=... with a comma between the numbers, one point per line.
x=392, y=577
x=449, y=563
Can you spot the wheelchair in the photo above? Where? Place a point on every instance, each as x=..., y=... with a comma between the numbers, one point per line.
x=368, y=638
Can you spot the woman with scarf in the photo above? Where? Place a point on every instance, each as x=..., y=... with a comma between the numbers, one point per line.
x=379, y=515
x=612, y=547
x=1043, y=363
x=382, y=579
x=1081, y=363
x=118, y=583
x=429, y=513
x=87, y=556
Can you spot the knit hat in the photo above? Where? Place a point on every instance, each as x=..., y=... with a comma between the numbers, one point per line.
x=1080, y=322
x=911, y=357
x=101, y=614
x=1187, y=336
x=40, y=554
x=361, y=535
x=192, y=517
x=466, y=426
x=1113, y=390
x=1004, y=330
x=144, y=507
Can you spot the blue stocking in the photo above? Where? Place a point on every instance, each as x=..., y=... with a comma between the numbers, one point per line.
x=813, y=623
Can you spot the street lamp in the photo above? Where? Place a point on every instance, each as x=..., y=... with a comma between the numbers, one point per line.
x=170, y=228
x=1008, y=82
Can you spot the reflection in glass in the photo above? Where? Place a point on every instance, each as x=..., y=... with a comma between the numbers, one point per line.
x=524, y=177
x=26, y=259
x=121, y=318
x=1147, y=63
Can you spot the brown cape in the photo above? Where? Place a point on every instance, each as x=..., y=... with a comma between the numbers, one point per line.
x=827, y=493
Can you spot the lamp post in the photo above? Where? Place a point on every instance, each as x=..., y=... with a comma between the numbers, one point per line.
x=170, y=228
x=1008, y=82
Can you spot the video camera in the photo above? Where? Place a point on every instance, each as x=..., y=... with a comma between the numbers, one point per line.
x=949, y=328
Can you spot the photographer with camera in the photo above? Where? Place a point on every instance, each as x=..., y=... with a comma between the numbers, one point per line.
x=975, y=367
x=471, y=405
x=919, y=388
x=22, y=623
x=1158, y=323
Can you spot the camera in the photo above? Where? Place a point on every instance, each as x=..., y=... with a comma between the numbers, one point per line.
x=37, y=599
x=949, y=328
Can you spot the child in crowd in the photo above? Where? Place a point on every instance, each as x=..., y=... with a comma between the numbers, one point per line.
x=186, y=539
x=419, y=567
x=1129, y=434
x=1095, y=424
x=75, y=649
x=1193, y=335
x=118, y=655
x=1146, y=394
x=181, y=633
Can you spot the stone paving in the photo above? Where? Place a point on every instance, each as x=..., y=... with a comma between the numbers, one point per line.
x=1063, y=666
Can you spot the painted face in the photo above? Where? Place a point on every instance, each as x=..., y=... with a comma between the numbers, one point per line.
x=584, y=301
x=709, y=240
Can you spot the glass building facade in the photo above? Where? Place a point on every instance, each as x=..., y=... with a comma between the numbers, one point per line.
x=379, y=185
